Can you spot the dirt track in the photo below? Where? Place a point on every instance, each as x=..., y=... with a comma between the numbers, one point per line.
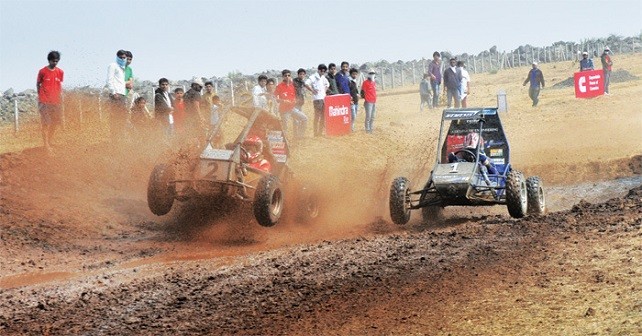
x=81, y=254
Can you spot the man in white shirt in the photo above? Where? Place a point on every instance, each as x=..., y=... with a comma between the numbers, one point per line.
x=319, y=84
x=117, y=96
x=259, y=93
x=464, y=88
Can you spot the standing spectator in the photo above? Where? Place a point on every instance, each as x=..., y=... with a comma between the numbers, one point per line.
x=607, y=64
x=208, y=98
x=343, y=78
x=424, y=92
x=208, y=95
x=354, y=93
x=117, y=99
x=163, y=107
x=586, y=64
x=259, y=93
x=434, y=69
x=369, y=95
x=300, y=86
x=178, y=127
x=273, y=105
x=319, y=84
x=464, y=88
x=129, y=75
x=194, y=119
x=536, y=78
x=49, y=87
x=452, y=81
x=332, y=70
x=215, y=111
x=285, y=94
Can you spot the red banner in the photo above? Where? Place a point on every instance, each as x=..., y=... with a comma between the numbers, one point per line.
x=337, y=114
x=589, y=84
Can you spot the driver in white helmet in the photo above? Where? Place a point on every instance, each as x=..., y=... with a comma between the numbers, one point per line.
x=254, y=154
x=471, y=141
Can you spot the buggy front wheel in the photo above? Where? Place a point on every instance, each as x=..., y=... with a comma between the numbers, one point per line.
x=268, y=201
x=516, y=194
x=400, y=200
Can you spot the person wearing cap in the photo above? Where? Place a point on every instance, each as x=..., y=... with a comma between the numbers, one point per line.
x=319, y=84
x=607, y=63
x=536, y=78
x=452, y=81
x=369, y=95
x=586, y=64
x=193, y=116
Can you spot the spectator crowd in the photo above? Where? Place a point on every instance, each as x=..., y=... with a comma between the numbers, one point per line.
x=178, y=115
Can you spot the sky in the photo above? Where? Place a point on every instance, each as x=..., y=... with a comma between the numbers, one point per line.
x=182, y=39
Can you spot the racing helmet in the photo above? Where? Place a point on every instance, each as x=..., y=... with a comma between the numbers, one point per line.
x=254, y=147
x=472, y=139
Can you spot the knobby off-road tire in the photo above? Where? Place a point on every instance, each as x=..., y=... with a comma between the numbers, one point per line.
x=399, y=198
x=536, y=198
x=160, y=192
x=268, y=201
x=516, y=194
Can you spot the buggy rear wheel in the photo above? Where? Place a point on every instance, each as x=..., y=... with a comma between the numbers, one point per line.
x=400, y=200
x=536, y=198
x=308, y=206
x=516, y=194
x=268, y=201
x=160, y=190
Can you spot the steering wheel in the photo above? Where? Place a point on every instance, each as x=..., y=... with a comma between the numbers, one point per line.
x=467, y=155
x=245, y=155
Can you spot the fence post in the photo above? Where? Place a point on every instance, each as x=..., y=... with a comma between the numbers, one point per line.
x=413, y=74
x=232, y=90
x=80, y=112
x=392, y=76
x=401, y=74
x=100, y=108
x=15, y=114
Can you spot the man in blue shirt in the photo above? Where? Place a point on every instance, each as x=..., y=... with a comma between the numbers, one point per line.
x=536, y=78
x=343, y=78
x=586, y=64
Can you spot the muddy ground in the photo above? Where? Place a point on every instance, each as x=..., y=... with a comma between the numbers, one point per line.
x=81, y=254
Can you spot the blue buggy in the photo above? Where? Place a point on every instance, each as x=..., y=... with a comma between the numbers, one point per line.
x=472, y=169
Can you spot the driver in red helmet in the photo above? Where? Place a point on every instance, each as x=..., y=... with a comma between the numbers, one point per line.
x=471, y=141
x=254, y=147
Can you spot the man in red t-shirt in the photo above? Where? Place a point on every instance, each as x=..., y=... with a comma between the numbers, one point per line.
x=285, y=94
x=49, y=86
